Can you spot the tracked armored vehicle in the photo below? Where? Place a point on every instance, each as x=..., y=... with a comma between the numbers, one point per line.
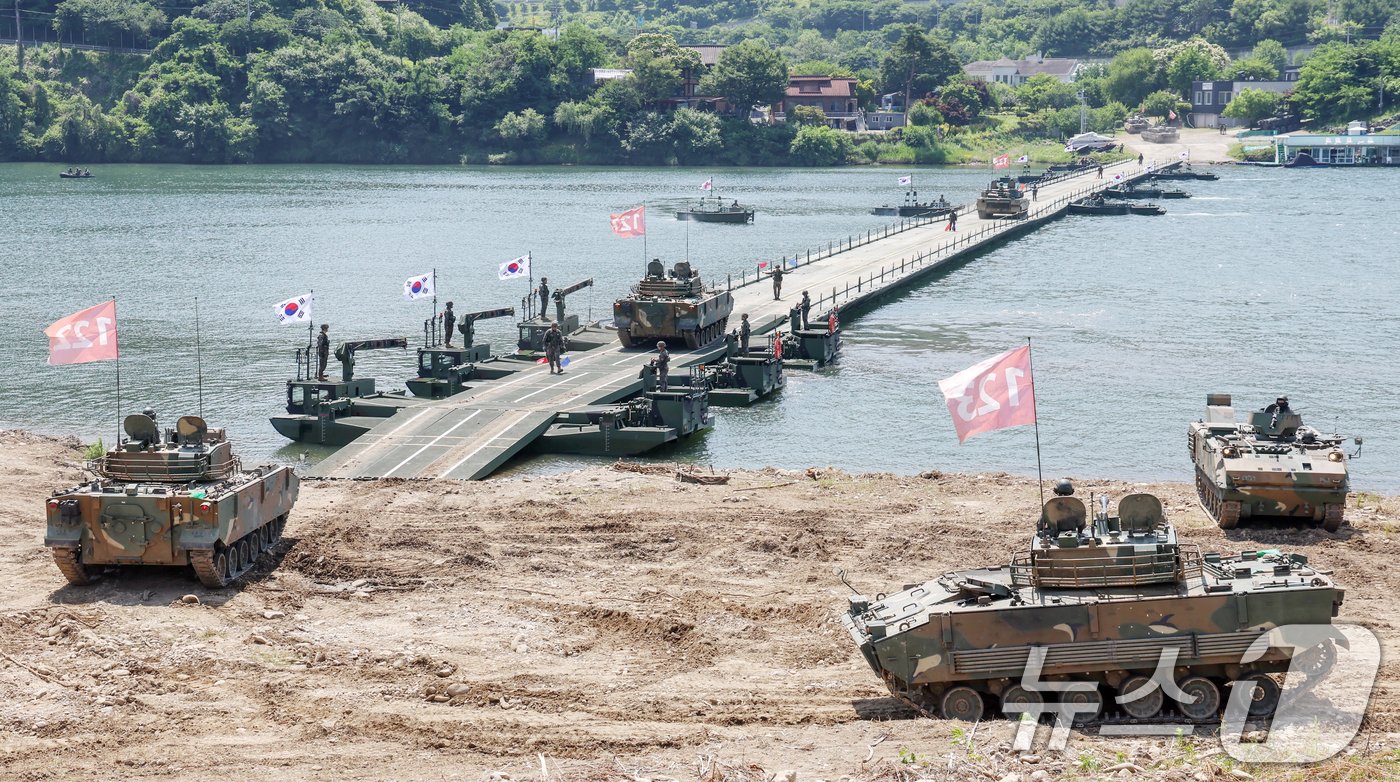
x=1272, y=466
x=177, y=498
x=1002, y=198
x=1081, y=621
x=673, y=306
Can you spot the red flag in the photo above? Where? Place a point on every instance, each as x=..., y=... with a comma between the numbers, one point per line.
x=633, y=222
x=831, y=322
x=993, y=394
x=1171, y=115
x=778, y=347
x=1001, y=161
x=90, y=335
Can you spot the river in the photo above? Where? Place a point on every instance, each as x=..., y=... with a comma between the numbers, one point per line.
x=1266, y=282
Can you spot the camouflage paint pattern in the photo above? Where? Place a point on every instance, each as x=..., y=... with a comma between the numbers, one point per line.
x=672, y=306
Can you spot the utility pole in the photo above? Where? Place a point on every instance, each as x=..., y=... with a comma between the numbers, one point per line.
x=19, y=40
x=1083, y=120
x=248, y=41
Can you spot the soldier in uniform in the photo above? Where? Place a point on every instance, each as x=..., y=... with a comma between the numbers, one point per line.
x=744, y=332
x=559, y=306
x=449, y=319
x=778, y=281
x=544, y=297
x=663, y=364
x=806, y=306
x=323, y=351
x=553, y=348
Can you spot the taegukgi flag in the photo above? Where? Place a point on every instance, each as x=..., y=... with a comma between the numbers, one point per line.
x=708, y=184
x=519, y=267
x=297, y=309
x=906, y=180
x=1023, y=159
x=90, y=335
x=633, y=222
x=993, y=394
x=418, y=287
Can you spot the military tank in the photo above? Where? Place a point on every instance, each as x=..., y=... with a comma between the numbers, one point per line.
x=1272, y=466
x=175, y=498
x=672, y=306
x=1002, y=198
x=1097, y=603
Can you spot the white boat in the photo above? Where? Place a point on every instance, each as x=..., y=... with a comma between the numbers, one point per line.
x=1089, y=142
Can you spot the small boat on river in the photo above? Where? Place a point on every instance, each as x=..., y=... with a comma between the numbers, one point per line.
x=713, y=209
x=75, y=174
x=1143, y=192
x=1096, y=205
x=1186, y=173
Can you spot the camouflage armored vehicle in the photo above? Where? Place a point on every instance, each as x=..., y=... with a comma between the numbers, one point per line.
x=1272, y=466
x=1098, y=603
x=178, y=498
x=1002, y=198
x=671, y=306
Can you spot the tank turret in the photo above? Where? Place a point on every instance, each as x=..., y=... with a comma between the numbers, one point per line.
x=674, y=306
x=1086, y=614
x=1273, y=466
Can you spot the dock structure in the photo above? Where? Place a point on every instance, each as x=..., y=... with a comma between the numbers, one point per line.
x=472, y=434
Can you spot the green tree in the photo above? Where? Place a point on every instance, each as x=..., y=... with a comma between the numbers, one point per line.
x=659, y=65
x=1249, y=106
x=748, y=74
x=917, y=65
x=807, y=115
x=1187, y=66
x=961, y=101
x=695, y=136
x=1132, y=75
x=1164, y=104
x=922, y=114
x=1271, y=52
x=1043, y=91
x=13, y=113
x=521, y=130
x=1253, y=69
x=820, y=146
x=110, y=22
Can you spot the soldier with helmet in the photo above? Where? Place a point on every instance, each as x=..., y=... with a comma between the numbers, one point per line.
x=663, y=364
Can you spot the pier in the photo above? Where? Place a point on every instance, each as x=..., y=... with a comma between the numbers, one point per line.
x=472, y=434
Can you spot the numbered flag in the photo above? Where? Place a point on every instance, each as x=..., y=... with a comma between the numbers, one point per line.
x=1001, y=161
x=294, y=310
x=519, y=267
x=709, y=184
x=90, y=335
x=633, y=222
x=992, y=394
x=418, y=287
x=906, y=180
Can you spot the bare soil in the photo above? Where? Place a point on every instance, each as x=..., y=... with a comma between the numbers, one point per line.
x=603, y=624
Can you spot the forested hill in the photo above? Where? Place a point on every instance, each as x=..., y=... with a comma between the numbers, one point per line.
x=435, y=80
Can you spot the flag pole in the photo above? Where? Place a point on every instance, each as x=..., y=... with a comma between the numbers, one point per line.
x=119, y=381
x=434, y=317
x=530, y=282
x=310, y=333
x=1035, y=413
x=198, y=358
x=644, y=239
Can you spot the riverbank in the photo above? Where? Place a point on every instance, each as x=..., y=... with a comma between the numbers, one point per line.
x=602, y=624
x=1201, y=145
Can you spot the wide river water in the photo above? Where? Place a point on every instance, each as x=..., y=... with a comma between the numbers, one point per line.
x=1265, y=282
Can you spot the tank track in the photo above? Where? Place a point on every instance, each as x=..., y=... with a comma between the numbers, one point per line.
x=1107, y=716
x=221, y=566
x=1332, y=514
x=73, y=570
x=700, y=337
x=1225, y=514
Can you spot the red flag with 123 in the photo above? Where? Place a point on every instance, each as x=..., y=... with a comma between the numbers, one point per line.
x=633, y=222
x=993, y=394
x=1001, y=161
x=90, y=335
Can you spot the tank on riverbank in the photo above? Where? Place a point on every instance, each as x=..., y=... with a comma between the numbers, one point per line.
x=673, y=306
x=1272, y=466
x=1096, y=603
x=179, y=498
x=1002, y=198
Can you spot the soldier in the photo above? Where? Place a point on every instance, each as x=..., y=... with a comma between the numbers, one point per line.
x=449, y=319
x=744, y=332
x=952, y=222
x=559, y=306
x=1063, y=488
x=544, y=297
x=778, y=281
x=323, y=351
x=1140, y=156
x=663, y=364
x=553, y=347
x=806, y=306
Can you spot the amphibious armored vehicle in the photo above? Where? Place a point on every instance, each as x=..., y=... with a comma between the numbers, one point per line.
x=1271, y=466
x=177, y=498
x=1002, y=198
x=1097, y=604
x=672, y=306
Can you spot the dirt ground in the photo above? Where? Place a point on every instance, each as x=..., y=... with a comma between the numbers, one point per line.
x=600, y=625
x=1202, y=145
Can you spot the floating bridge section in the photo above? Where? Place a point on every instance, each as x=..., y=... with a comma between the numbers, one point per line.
x=472, y=434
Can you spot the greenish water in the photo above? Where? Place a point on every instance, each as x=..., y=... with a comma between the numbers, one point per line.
x=1266, y=282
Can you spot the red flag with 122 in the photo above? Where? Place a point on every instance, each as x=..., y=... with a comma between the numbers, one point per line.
x=633, y=222
x=993, y=394
x=1001, y=161
x=90, y=335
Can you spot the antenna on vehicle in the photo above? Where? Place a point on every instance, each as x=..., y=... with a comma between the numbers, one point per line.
x=841, y=574
x=198, y=358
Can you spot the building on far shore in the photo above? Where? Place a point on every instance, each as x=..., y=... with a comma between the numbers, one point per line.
x=1209, y=99
x=1014, y=73
x=1355, y=148
x=835, y=96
